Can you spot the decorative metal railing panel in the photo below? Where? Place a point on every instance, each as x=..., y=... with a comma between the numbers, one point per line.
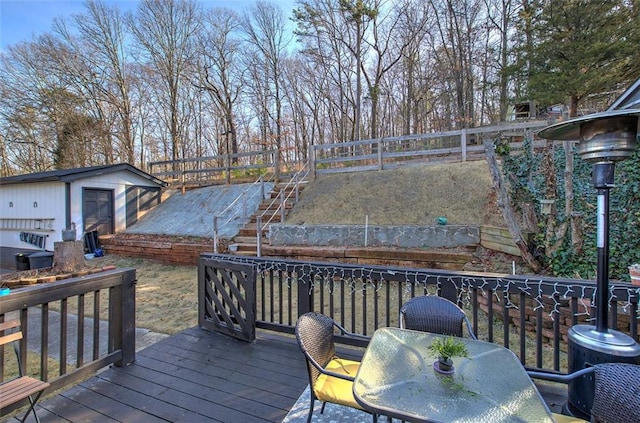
x=227, y=298
x=537, y=310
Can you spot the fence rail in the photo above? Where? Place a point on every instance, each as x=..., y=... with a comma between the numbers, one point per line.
x=353, y=156
x=77, y=326
x=528, y=314
x=391, y=152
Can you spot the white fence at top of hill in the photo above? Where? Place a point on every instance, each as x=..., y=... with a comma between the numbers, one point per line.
x=389, y=152
x=352, y=156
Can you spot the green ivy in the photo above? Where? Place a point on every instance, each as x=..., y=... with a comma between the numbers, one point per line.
x=528, y=185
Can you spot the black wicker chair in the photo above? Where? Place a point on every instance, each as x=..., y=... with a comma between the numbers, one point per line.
x=616, y=396
x=330, y=377
x=430, y=313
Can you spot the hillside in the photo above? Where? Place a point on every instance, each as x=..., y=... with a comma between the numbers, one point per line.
x=416, y=195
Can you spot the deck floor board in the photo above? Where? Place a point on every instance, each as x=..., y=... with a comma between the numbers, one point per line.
x=197, y=376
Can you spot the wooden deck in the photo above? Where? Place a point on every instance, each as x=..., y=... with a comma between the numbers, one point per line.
x=199, y=376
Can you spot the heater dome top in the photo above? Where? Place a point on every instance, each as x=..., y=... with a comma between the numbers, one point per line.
x=570, y=129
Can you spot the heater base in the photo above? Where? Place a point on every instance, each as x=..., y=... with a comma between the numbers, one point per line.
x=588, y=347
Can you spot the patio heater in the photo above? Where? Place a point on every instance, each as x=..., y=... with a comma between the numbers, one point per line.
x=604, y=138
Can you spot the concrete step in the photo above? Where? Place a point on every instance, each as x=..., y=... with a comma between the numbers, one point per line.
x=248, y=240
x=247, y=231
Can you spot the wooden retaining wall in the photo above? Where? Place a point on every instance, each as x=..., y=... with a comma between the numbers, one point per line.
x=187, y=253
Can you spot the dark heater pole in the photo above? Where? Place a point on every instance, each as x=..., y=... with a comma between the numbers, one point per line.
x=604, y=138
x=603, y=181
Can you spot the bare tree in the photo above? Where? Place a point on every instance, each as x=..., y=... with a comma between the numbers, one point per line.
x=266, y=30
x=166, y=30
x=455, y=43
x=101, y=42
x=219, y=48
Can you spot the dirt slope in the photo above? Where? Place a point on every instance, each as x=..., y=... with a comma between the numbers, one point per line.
x=417, y=195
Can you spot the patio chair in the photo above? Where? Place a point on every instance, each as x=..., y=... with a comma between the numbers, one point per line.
x=430, y=313
x=21, y=387
x=616, y=396
x=330, y=377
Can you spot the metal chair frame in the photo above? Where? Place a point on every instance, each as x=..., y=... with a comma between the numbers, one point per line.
x=430, y=313
x=617, y=390
x=314, y=333
x=21, y=387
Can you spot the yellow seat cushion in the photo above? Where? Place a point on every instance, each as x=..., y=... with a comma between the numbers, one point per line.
x=336, y=390
x=561, y=418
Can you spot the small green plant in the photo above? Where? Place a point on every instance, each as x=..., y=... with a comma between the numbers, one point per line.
x=446, y=348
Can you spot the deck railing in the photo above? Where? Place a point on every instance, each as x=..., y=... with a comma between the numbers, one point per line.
x=538, y=310
x=73, y=327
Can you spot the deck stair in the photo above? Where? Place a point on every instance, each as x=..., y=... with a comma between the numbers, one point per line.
x=283, y=196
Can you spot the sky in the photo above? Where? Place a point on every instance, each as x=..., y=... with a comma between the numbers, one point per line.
x=22, y=20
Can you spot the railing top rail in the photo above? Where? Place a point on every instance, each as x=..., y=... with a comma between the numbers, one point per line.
x=216, y=157
x=233, y=204
x=35, y=295
x=551, y=286
x=430, y=135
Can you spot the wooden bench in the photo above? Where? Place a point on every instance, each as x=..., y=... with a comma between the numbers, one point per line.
x=22, y=387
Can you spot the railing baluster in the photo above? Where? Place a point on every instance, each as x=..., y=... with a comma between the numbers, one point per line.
x=281, y=281
x=539, y=329
x=523, y=322
x=80, y=342
x=63, y=336
x=342, y=301
x=289, y=299
x=271, y=300
x=96, y=325
x=44, y=339
x=490, y=313
x=505, y=317
x=556, y=334
x=474, y=300
x=364, y=305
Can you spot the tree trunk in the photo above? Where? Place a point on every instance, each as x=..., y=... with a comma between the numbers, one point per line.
x=504, y=204
x=68, y=256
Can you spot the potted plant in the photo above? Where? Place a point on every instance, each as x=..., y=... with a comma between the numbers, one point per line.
x=445, y=349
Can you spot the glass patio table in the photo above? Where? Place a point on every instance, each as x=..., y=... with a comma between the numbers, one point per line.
x=396, y=378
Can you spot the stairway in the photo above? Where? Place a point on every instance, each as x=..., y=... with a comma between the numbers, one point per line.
x=245, y=243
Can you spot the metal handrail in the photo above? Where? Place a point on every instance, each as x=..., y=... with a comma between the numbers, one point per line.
x=235, y=210
x=284, y=195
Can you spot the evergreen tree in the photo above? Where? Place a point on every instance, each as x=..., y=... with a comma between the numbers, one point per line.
x=581, y=48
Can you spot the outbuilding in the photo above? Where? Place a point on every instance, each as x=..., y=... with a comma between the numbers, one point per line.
x=36, y=208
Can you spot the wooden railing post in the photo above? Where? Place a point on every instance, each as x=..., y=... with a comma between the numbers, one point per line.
x=124, y=322
x=312, y=162
x=463, y=144
x=380, y=147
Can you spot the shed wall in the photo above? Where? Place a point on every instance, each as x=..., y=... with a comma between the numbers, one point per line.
x=35, y=208
x=40, y=207
x=117, y=182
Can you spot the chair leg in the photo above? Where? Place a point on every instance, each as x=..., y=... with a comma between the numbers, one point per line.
x=32, y=407
x=310, y=409
x=322, y=409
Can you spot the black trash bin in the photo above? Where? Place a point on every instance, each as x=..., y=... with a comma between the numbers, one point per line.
x=22, y=261
x=40, y=260
x=91, y=241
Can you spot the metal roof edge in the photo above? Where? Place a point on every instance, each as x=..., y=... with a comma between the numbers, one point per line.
x=70, y=175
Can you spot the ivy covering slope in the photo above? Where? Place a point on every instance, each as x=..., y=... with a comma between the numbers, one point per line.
x=530, y=182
